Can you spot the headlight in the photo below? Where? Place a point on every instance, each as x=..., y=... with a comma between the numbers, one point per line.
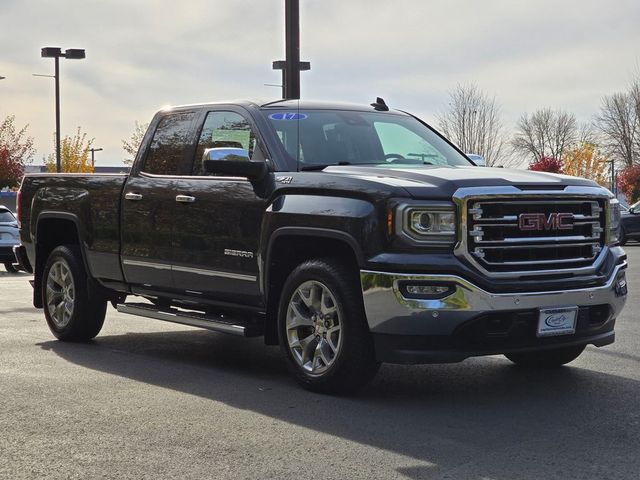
x=427, y=224
x=614, y=221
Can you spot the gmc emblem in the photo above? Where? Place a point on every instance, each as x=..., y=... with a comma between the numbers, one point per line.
x=539, y=221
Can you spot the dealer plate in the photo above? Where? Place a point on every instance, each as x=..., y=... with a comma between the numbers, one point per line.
x=557, y=321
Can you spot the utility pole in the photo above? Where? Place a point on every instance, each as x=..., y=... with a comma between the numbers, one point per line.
x=93, y=160
x=292, y=66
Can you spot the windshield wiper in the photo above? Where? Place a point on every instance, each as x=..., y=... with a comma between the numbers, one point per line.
x=310, y=168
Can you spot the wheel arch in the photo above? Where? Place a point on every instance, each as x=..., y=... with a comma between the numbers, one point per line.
x=290, y=246
x=54, y=229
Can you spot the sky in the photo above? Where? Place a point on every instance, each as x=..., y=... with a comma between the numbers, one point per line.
x=146, y=54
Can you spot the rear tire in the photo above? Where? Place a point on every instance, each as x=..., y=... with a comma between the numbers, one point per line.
x=546, y=358
x=622, y=239
x=323, y=329
x=10, y=267
x=73, y=311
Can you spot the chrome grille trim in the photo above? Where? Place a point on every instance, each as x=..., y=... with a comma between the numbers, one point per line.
x=466, y=199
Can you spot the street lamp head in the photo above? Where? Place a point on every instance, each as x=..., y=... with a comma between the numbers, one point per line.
x=50, y=52
x=75, y=53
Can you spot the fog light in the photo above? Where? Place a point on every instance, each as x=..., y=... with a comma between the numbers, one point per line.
x=413, y=290
x=621, y=287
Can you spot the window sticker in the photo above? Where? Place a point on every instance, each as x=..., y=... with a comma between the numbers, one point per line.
x=287, y=116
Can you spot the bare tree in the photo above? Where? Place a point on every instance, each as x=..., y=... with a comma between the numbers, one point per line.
x=473, y=122
x=634, y=93
x=548, y=133
x=133, y=143
x=618, y=121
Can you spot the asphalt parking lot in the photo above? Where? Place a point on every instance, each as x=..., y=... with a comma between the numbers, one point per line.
x=153, y=400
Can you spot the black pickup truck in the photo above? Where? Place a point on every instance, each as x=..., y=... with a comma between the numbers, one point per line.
x=350, y=235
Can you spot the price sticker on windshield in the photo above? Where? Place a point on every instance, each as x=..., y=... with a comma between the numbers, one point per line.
x=557, y=321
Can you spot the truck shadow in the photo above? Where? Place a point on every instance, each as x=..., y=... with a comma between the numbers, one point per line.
x=481, y=418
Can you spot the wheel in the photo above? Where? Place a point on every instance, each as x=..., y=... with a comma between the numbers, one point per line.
x=546, y=358
x=622, y=239
x=72, y=311
x=10, y=267
x=323, y=330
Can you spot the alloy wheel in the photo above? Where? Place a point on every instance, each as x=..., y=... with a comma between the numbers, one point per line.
x=314, y=327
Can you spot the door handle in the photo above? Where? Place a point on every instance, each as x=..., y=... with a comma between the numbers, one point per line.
x=132, y=196
x=185, y=199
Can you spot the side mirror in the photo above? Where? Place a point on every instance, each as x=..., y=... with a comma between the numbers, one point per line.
x=234, y=162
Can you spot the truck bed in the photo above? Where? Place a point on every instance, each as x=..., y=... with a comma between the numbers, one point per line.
x=90, y=201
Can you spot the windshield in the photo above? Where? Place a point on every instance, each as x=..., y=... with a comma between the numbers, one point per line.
x=317, y=138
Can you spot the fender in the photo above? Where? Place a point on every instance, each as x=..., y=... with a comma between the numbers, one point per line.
x=350, y=220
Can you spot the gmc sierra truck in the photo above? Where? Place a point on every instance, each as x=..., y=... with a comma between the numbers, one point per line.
x=349, y=235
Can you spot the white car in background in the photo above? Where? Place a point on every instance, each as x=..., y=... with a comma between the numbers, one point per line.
x=9, y=236
x=478, y=160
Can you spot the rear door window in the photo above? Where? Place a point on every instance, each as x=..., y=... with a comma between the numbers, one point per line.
x=168, y=152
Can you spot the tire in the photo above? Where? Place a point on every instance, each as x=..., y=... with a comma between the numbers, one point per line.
x=10, y=267
x=622, y=239
x=72, y=311
x=330, y=350
x=546, y=358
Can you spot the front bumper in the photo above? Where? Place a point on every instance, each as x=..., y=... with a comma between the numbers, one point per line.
x=471, y=321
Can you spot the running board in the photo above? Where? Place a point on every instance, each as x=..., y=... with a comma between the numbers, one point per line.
x=216, y=323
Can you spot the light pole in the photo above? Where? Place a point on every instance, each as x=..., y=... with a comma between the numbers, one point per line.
x=613, y=177
x=93, y=151
x=56, y=53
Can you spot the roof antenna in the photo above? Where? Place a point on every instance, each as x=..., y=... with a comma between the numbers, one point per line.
x=379, y=105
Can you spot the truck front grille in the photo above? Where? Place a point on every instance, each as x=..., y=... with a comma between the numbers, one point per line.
x=508, y=235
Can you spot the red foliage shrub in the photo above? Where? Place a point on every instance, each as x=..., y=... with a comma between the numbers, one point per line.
x=547, y=164
x=629, y=183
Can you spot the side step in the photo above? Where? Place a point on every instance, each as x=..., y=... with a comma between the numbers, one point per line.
x=217, y=323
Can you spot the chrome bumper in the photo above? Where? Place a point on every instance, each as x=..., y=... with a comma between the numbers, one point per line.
x=389, y=311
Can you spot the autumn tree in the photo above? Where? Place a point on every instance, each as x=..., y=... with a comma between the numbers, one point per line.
x=74, y=154
x=548, y=133
x=473, y=122
x=547, y=164
x=131, y=145
x=586, y=161
x=16, y=150
x=10, y=171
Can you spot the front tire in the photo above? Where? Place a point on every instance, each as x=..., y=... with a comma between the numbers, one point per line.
x=73, y=312
x=10, y=268
x=546, y=358
x=323, y=330
x=623, y=238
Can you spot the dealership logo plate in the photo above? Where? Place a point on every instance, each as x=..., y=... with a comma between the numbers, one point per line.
x=557, y=321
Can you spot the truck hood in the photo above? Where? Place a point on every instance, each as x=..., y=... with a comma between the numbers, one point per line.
x=442, y=181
